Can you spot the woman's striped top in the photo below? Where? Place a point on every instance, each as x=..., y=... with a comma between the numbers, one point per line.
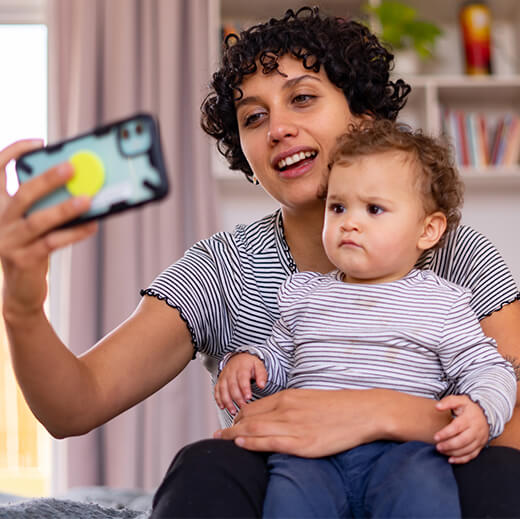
x=225, y=287
x=417, y=335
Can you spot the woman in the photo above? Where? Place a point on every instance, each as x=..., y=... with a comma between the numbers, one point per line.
x=278, y=128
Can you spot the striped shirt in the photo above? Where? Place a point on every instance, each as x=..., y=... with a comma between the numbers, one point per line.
x=225, y=287
x=417, y=335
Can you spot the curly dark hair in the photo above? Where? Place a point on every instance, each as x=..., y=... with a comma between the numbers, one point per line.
x=438, y=180
x=351, y=55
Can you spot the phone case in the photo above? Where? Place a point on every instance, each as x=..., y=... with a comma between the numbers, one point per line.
x=120, y=165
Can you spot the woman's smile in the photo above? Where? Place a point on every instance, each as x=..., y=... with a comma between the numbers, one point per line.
x=295, y=162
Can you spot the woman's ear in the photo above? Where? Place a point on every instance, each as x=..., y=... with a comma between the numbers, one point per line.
x=433, y=228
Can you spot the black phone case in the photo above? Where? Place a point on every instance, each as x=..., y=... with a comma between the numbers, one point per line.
x=119, y=165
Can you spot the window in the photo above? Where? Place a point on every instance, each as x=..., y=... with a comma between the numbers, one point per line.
x=25, y=447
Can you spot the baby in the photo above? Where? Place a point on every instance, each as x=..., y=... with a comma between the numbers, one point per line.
x=378, y=322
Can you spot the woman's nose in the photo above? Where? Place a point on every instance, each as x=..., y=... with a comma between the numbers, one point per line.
x=280, y=127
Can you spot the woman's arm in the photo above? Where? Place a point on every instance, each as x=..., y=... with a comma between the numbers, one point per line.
x=504, y=327
x=314, y=423
x=71, y=395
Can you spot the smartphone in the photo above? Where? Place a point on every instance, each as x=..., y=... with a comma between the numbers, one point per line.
x=119, y=165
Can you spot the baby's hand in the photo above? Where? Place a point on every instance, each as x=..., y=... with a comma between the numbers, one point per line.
x=467, y=434
x=234, y=382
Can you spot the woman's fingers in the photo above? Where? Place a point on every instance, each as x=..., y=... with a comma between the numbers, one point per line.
x=33, y=253
x=260, y=407
x=23, y=231
x=14, y=150
x=283, y=444
x=36, y=188
x=58, y=239
x=272, y=435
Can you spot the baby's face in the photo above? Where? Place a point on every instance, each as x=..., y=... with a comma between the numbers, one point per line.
x=374, y=218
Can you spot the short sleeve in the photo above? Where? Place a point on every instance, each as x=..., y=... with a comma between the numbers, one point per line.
x=470, y=260
x=196, y=286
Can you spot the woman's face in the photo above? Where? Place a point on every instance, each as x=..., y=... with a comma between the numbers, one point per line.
x=288, y=124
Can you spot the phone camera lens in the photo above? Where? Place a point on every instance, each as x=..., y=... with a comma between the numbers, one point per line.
x=125, y=133
x=139, y=129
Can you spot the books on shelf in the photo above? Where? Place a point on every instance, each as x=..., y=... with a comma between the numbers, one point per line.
x=481, y=140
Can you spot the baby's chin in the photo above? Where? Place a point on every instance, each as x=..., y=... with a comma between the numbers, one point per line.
x=370, y=278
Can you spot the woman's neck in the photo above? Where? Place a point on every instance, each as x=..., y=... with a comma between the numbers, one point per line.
x=302, y=231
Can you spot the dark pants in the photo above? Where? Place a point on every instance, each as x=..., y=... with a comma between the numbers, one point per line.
x=216, y=479
x=381, y=479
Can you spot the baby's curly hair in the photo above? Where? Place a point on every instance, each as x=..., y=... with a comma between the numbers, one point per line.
x=351, y=55
x=438, y=180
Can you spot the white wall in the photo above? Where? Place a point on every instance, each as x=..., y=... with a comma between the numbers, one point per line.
x=239, y=201
x=494, y=210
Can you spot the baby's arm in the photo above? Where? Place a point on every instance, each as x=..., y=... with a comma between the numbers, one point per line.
x=267, y=363
x=472, y=360
x=468, y=432
x=234, y=381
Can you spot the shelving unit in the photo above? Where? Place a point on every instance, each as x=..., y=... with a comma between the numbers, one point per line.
x=491, y=192
x=492, y=96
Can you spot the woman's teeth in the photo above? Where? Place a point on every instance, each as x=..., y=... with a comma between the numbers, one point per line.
x=293, y=159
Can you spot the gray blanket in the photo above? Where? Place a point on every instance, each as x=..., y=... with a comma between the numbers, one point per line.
x=80, y=503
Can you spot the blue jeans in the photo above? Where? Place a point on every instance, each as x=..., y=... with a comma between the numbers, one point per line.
x=380, y=479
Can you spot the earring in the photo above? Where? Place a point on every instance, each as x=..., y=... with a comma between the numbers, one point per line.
x=255, y=181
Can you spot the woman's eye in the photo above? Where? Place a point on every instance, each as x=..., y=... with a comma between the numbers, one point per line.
x=252, y=119
x=375, y=209
x=302, y=98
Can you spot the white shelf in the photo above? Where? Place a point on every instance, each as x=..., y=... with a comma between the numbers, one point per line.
x=492, y=177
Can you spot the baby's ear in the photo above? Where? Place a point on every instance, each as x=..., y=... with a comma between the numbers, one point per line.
x=433, y=228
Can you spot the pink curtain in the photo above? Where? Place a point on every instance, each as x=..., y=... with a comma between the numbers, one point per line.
x=107, y=60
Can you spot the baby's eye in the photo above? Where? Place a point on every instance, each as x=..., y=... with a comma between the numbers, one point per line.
x=337, y=208
x=375, y=209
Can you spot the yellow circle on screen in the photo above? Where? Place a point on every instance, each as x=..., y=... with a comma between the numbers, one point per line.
x=89, y=174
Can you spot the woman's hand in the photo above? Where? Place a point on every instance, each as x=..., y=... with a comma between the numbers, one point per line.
x=26, y=242
x=303, y=422
x=314, y=423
